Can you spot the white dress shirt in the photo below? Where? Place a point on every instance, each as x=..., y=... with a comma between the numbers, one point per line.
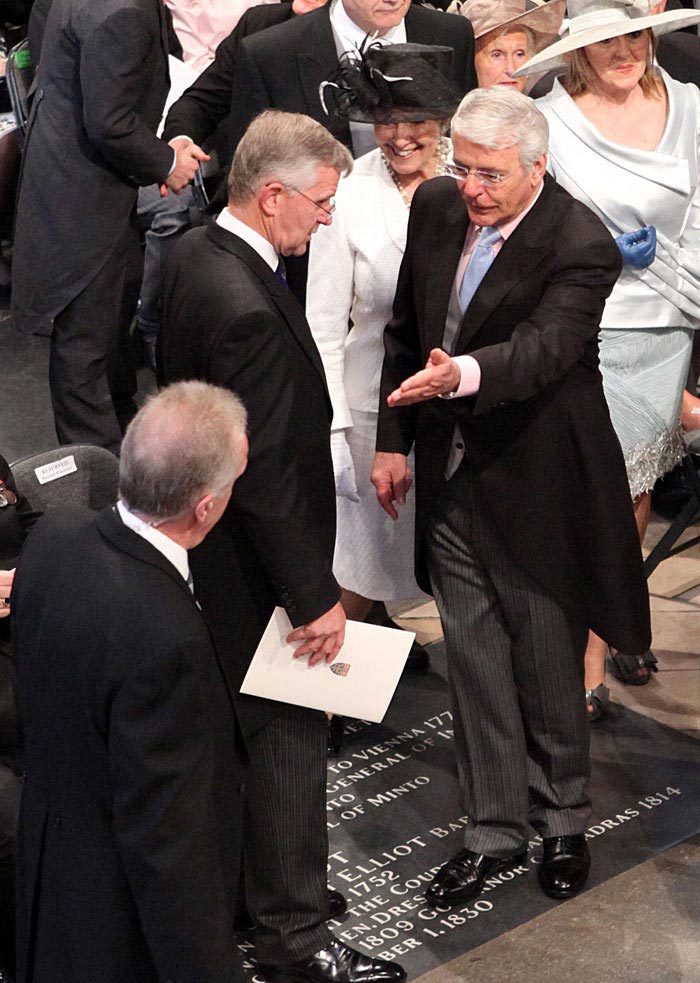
x=201, y=26
x=172, y=551
x=350, y=37
x=262, y=246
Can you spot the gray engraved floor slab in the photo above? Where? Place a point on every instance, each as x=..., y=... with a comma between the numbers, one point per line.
x=394, y=818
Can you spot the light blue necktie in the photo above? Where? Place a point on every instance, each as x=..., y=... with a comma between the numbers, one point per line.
x=479, y=262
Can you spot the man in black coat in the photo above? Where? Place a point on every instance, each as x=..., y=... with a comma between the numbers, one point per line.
x=229, y=317
x=525, y=530
x=201, y=112
x=284, y=67
x=100, y=89
x=129, y=824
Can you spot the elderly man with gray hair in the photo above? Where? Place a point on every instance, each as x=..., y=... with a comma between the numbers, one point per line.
x=127, y=849
x=229, y=317
x=525, y=530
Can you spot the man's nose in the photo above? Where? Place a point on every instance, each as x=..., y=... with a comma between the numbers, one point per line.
x=471, y=185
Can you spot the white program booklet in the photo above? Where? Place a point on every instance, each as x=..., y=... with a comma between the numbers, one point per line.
x=360, y=682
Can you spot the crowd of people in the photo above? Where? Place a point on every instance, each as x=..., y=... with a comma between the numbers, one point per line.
x=432, y=336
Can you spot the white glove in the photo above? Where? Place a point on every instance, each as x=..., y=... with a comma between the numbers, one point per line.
x=343, y=468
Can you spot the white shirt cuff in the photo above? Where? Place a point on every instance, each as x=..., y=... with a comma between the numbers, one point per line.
x=470, y=371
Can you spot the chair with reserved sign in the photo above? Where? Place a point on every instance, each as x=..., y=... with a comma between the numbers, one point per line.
x=74, y=475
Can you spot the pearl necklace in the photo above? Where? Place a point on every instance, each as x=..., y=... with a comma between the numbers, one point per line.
x=441, y=155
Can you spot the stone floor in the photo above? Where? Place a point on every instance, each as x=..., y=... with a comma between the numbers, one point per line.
x=644, y=925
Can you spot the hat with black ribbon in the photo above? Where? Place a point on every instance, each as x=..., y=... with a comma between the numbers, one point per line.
x=397, y=83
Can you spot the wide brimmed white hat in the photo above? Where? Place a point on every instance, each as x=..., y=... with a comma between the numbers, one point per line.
x=542, y=17
x=591, y=21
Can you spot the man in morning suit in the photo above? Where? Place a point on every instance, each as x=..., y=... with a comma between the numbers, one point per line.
x=129, y=825
x=525, y=531
x=100, y=89
x=284, y=66
x=229, y=317
x=277, y=60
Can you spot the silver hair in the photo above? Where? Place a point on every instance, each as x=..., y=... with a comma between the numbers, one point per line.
x=500, y=118
x=185, y=442
x=531, y=40
x=285, y=147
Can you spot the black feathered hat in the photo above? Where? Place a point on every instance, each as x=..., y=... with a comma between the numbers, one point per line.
x=397, y=83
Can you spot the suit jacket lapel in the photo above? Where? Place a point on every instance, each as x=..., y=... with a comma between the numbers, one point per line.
x=164, y=36
x=110, y=525
x=315, y=66
x=449, y=233
x=112, y=528
x=282, y=297
x=518, y=256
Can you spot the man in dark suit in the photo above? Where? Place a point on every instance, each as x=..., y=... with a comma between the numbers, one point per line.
x=129, y=824
x=201, y=112
x=525, y=529
x=100, y=89
x=283, y=67
x=229, y=317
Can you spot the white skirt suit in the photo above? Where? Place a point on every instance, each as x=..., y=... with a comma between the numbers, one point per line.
x=353, y=268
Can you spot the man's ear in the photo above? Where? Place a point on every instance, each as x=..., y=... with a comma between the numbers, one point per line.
x=538, y=169
x=203, y=508
x=268, y=197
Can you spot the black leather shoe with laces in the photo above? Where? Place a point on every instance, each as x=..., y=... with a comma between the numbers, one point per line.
x=565, y=865
x=462, y=878
x=338, y=963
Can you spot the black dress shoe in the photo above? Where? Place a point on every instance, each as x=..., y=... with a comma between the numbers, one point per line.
x=336, y=730
x=418, y=659
x=462, y=878
x=565, y=865
x=338, y=963
x=337, y=905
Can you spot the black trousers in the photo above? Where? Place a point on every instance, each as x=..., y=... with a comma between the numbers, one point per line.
x=285, y=838
x=10, y=794
x=92, y=375
x=515, y=665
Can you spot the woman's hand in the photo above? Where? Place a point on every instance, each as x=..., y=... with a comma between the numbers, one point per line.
x=6, y=579
x=343, y=467
x=638, y=248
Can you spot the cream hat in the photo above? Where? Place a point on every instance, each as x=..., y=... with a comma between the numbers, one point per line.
x=591, y=21
x=497, y=16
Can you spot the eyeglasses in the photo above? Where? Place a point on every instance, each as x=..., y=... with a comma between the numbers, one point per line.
x=318, y=204
x=490, y=179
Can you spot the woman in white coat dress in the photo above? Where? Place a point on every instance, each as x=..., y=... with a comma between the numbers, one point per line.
x=624, y=139
x=404, y=90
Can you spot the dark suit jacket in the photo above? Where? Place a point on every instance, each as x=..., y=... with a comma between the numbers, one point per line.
x=15, y=523
x=127, y=859
x=207, y=103
x=228, y=319
x=283, y=67
x=538, y=434
x=679, y=54
x=101, y=86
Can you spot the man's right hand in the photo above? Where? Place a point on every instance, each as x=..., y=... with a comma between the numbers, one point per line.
x=6, y=579
x=321, y=639
x=187, y=159
x=391, y=479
